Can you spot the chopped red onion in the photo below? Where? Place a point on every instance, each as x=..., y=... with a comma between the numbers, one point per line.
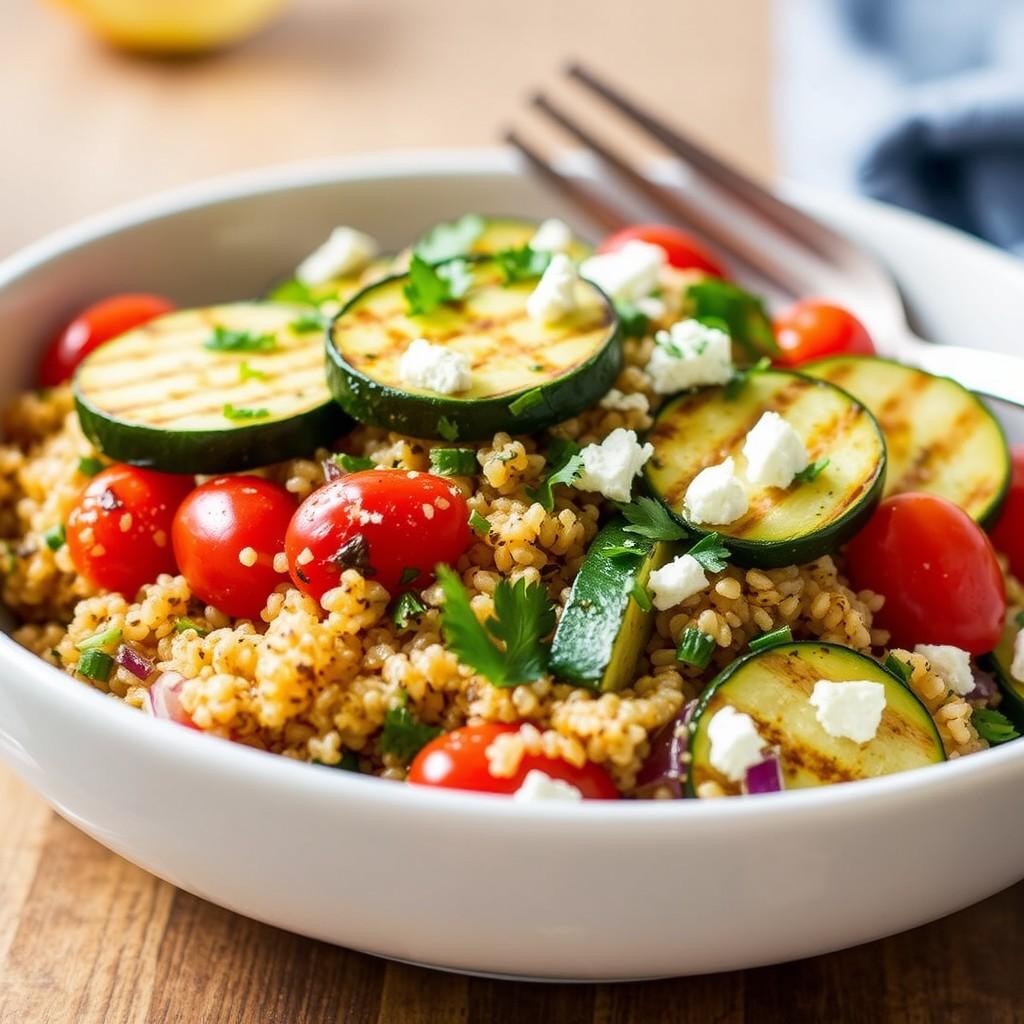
x=985, y=687
x=765, y=777
x=130, y=659
x=667, y=762
x=163, y=699
x=332, y=471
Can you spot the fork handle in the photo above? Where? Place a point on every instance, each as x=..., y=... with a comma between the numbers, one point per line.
x=994, y=374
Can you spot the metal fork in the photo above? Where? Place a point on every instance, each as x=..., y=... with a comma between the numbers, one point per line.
x=783, y=247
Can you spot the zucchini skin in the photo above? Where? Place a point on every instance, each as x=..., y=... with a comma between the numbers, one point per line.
x=603, y=631
x=417, y=414
x=803, y=765
x=998, y=663
x=984, y=509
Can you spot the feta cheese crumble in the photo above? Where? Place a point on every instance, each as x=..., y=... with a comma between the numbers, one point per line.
x=716, y=495
x=434, y=368
x=619, y=401
x=629, y=273
x=1017, y=665
x=774, y=452
x=346, y=251
x=736, y=744
x=675, y=582
x=552, y=235
x=850, y=710
x=539, y=786
x=688, y=355
x=609, y=467
x=951, y=664
x=555, y=294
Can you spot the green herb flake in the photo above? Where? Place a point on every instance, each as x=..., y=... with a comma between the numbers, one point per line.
x=431, y=286
x=349, y=762
x=900, y=669
x=247, y=372
x=734, y=388
x=232, y=412
x=634, y=324
x=1019, y=619
x=108, y=638
x=812, y=472
x=96, y=665
x=452, y=238
x=567, y=461
x=523, y=616
x=225, y=340
x=294, y=291
x=184, y=625
x=522, y=264
x=448, y=429
x=55, y=537
x=994, y=726
x=307, y=323
x=453, y=461
x=88, y=466
x=782, y=635
x=479, y=524
x=710, y=552
x=404, y=735
x=408, y=607
x=715, y=302
x=695, y=648
x=352, y=463
x=649, y=518
x=642, y=598
x=409, y=575
x=525, y=401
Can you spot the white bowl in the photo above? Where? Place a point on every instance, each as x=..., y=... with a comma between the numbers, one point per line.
x=466, y=882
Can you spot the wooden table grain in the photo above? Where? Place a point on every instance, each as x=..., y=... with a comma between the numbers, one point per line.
x=86, y=937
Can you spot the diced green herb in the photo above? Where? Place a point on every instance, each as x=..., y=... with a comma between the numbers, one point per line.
x=408, y=607
x=739, y=379
x=226, y=340
x=782, y=635
x=567, y=461
x=994, y=726
x=294, y=291
x=409, y=575
x=431, y=286
x=695, y=647
x=55, y=537
x=184, y=625
x=479, y=524
x=640, y=595
x=88, y=466
x=307, y=323
x=352, y=463
x=95, y=664
x=634, y=324
x=812, y=472
x=526, y=401
x=649, y=518
x=247, y=372
x=714, y=302
x=97, y=641
x=453, y=461
x=523, y=616
x=522, y=264
x=1019, y=619
x=900, y=669
x=710, y=552
x=448, y=429
x=349, y=762
x=453, y=238
x=232, y=412
x=404, y=735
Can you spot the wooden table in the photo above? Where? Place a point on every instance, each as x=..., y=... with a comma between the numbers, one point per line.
x=84, y=936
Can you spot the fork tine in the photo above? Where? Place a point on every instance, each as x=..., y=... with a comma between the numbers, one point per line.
x=733, y=241
x=813, y=235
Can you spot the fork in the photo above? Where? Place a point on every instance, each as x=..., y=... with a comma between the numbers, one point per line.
x=793, y=253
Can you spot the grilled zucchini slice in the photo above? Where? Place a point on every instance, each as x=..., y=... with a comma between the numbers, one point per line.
x=525, y=375
x=209, y=391
x=774, y=687
x=998, y=662
x=782, y=527
x=940, y=436
x=473, y=235
x=603, y=630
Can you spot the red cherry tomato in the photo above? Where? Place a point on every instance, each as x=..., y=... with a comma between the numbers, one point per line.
x=213, y=530
x=394, y=526
x=682, y=250
x=812, y=329
x=458, y=760
x=1008, y=534
x=119, y=533
x=937, y=570
x=92, y=327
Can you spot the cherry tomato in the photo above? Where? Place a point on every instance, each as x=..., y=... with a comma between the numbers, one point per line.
x=220, y=528
x=391, y=525
x=119, y=533
x=811, y=329
x=1008, y=534
x=458, y=760
x=937, y=570
x=92, y=327
x=682, y=250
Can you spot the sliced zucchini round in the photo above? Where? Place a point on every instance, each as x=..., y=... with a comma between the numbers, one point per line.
x=941, y=437
x=998, y=662
x=474, y=235
x=782, y=526
x=525, y=375
x=338, y=291
x=210, y=390
x=603, y=629
x=774, y=687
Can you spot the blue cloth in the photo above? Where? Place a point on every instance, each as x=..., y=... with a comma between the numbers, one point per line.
x=922, y=103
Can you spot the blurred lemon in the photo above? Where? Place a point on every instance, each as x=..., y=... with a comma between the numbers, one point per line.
x=173, y=26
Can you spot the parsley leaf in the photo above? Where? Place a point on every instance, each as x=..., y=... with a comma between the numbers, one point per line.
x=247, y=372
x=225, y=340
x=408, y=607
x=714, y=302
x=479, y=524
x=695, y=647
x=782, y=635
x=522, y=264
x=231, y=412
x=307, y=324
x=710, y=552
x=293, y=290
x=453, y=461
x=447, y=428
x=812, y=472
x=634, y=324
x=431, y=285
x=404, y=735
x=568, y=464
x=452, y=238
x=649, y=518
x=352, y=463
x=525, y=401
x=994, y=726
x=523, y=614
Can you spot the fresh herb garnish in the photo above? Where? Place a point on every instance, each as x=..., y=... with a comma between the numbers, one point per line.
x=633, y=322
x=107, y=638
x=407, y=608
x=349, y=762
x=523, y=615
x=96, y=665
x=404, y=735
x=225, y=340
x=479, y=524
x=447, y=428
x=184, y=625
x=715, y=302
x=247, y=372
x=649, y=518
x=568, y=464
x=307, y=323
x=900, y=669
x=453, y=461
x=782, y=635
x=88, y=466
x=710, y=552
x=55, y=537
x=994, y=726
x=813, y=471
x=1019, y=619
x=695, y=647
x=640, y=595
x=522, y=264
x=294, y=291
x=430, y=286
x=355, y=554
x=739, y=379
x=232, y=412
x=453, y=238
x=352, y=463
x=525, y=401
x=623, y=552
x=409, y=575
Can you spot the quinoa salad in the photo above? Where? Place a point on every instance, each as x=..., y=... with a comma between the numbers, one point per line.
x=504, y=513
